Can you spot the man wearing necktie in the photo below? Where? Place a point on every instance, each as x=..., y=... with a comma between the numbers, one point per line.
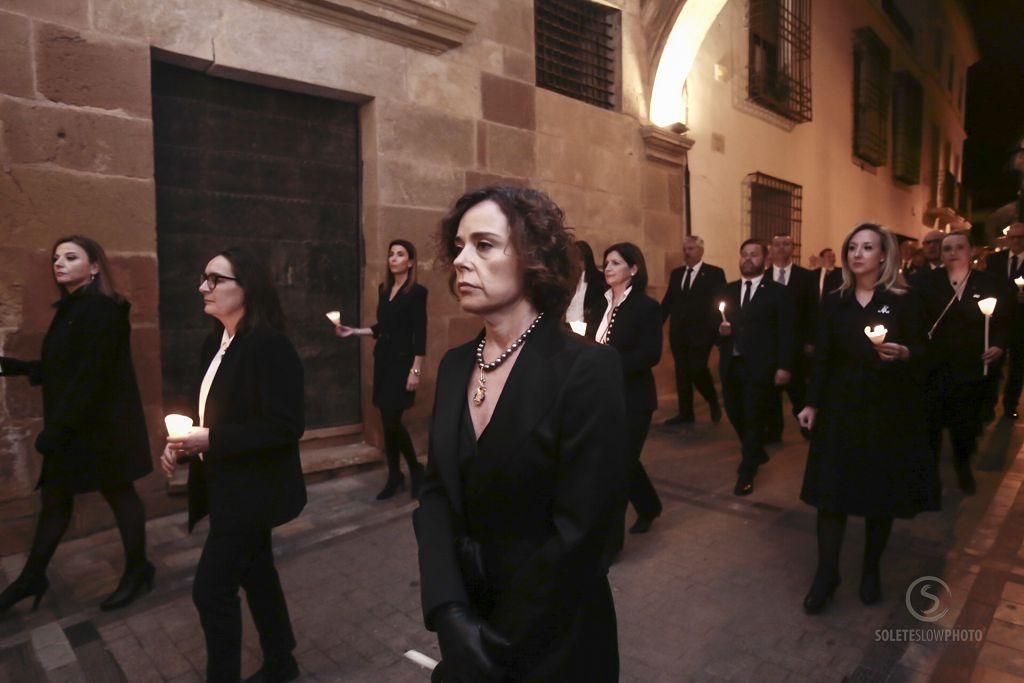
x=804, y=289
x=691, y=307
x=756, y=351
x=1009, y=263
x=828, y=277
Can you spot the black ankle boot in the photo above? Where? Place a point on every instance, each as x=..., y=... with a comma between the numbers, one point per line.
x=25, y=586
x=394, y=485
x=416, y=480
x=276, y=671
x=132, y=585
x=822, y=589
x=870, y=587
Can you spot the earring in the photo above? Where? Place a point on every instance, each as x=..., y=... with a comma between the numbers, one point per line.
x=92, y=277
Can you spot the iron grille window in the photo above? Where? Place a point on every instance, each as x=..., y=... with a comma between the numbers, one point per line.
x=776, y=207
x=780, y=57
x=907, y=115
x=870, y=97
x=577, y=49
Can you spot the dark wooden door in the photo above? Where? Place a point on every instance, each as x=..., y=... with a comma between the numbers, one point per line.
x=243, y=164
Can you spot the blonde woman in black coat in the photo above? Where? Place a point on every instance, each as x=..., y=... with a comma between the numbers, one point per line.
x=244, y=467
x=401, y=334
x=94, y=431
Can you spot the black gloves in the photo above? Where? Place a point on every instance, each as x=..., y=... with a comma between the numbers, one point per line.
x=468, y=645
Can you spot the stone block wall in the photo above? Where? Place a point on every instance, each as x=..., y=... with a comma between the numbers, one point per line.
x=76, y=154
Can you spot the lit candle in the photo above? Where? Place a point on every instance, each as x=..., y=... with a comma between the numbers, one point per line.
x=1019, y=281
x=988, y=307
x=178, y=425
x=334, y=317
x=579, y=327
x=876, y=334
x=721, y=309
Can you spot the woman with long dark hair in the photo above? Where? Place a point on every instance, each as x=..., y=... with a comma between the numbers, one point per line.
x=630, y=322
x=94, y=431
x=869, y=453
x=244, y=467
x=401, y=334
x=588, y=300
x=525, y=473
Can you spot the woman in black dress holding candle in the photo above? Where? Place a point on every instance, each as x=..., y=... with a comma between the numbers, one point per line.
x=401, y=334
x=869, y=453
x=526, y=470
x=94, y=431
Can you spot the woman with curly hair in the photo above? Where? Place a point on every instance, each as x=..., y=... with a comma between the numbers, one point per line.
x=525, y=473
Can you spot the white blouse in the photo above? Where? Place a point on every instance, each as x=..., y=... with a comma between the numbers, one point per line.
x=602, y=329
x=211, y=372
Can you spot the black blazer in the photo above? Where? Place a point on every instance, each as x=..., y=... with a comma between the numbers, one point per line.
x=804, y=287
x=997, y=263
x=636, y=335
x=401, y=334
x=959, y=339
x=94, y=431
x=693, y=317
x=833, y=281
x=763, y=330
x=557, y=438
x=251, y=476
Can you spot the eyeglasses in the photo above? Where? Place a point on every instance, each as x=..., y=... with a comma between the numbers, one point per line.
x=211, y=280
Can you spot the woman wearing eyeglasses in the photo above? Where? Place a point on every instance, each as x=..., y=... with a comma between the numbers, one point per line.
x=244, y=468
x=94, y=431
x=401, y=334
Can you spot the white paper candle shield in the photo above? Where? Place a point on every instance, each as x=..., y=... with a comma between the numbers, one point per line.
x=721, y=309
x=987, y=306
x=876, y=334
x=1019, y=281
x=334, y=317
x=579, y=327
x=178, y=425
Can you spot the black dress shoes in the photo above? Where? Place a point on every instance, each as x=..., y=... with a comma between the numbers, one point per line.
x=870, y=588
x=744, y=486
x=678, y=421
x=822, y=590
x=132, y=585
x=392, y=487
x=642, y=525
x=965, y=478
x=276, y=671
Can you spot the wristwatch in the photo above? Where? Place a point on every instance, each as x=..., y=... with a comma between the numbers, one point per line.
x=415, y=371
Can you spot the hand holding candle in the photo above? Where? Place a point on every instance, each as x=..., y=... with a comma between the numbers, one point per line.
x=988, y=307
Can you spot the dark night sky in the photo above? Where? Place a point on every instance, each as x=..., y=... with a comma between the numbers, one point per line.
x=995, y=100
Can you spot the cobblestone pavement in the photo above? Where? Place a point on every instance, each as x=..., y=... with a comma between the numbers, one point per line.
x=712, y=593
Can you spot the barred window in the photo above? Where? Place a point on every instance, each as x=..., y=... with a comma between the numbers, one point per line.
x=776, y=207
x=780, y=57
x=907, y=115
x=577, y=49
x=870, y=97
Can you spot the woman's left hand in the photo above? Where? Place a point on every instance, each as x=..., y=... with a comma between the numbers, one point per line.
x=890, y=351
x=991, y=354
x=412, y=382
x=196, y=441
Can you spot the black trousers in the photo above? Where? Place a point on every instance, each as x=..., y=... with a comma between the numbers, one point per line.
x=956, y=406
x=692, y=371
x=231, y=560
x=797, y=391
x=1014, y=372
x=397, y=442
x=749, y=401
x=641, y=491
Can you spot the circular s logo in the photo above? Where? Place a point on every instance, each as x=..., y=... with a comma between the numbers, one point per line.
x=929, y=588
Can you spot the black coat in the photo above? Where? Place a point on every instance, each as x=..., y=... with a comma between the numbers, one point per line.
x=869, y=451
x=551, y=478
x=763, y=330
x=959, y=339
x=833, y=280
x=803, y=285
x=636, y=335
x=251, y=476
x=94, y=431
x=997, y=263
x=693, y=316
x=401, y=334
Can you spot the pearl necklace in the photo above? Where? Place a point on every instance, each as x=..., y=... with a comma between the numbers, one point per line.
x=481, y=389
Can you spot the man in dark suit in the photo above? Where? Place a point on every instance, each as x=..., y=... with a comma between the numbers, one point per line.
x=804, y=290
x=1009, y=264
x=756, y=350
x=828, y=277
x=690, y=307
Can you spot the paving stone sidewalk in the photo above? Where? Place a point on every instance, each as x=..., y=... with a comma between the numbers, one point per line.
x=712, y=593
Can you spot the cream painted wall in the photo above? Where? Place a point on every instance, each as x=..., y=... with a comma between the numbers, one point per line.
x=838, y=190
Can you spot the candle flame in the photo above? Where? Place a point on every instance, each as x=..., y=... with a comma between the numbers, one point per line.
x=721, y=307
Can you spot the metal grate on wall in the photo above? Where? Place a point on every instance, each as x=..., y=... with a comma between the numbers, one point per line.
x=907, y=128
x=871, y=86
x=776, y=208
x=780, y=57
x=577, y=49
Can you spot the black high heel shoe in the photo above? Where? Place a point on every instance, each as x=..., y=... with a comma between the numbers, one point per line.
x=870, y=588
x=391, y=488
x=415, y=481
x=24, y=587
x=131, y=586
x=822, y=590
